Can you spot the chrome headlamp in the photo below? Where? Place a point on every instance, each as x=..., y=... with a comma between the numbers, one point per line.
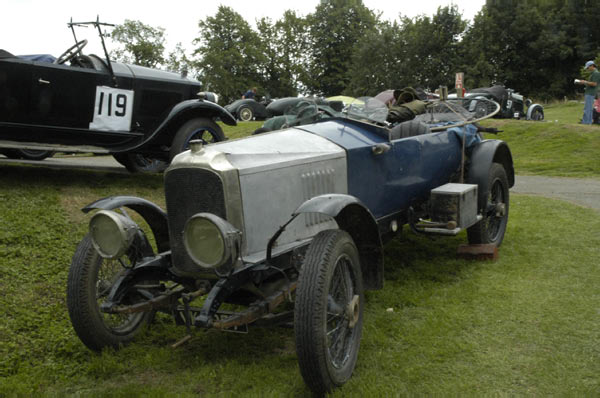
x=211, y=242
x=111, y=233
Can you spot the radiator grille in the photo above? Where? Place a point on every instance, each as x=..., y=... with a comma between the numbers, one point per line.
x=187, y=192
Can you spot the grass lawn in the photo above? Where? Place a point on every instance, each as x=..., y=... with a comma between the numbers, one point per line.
x=527, y=324
x=558, y=146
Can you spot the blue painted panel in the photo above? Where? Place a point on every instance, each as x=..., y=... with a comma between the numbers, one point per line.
x=390, y=182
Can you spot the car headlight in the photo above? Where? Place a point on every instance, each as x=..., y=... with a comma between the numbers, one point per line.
x=210, y=241
x=208, y=96
x=111, y=233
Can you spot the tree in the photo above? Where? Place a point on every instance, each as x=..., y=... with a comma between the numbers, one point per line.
x=420, y=52
x=230, y=54
x=178, y=61
x=535, y=46
x=432, y=47
x=377, y=62
x=142, y=44
x=334, y=29
x=277, y=70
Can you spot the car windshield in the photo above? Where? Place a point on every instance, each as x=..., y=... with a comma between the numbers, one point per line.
x=452, y=112
x=437, y=114
x=367, y=109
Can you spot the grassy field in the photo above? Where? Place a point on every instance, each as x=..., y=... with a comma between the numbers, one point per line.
x=527, y=324
x=558, y=146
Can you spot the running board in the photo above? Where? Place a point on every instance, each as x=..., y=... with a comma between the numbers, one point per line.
x=53, y=147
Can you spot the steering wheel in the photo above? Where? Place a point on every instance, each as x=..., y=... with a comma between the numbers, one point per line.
x=71, y=52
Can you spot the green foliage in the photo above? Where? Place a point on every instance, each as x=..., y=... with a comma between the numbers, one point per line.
x=534, y=46
x=335, y=28
x=559, y=146
x=178, y=61
x=142, y=44
x=537, y=46
x=230, y=54
x=284, y=44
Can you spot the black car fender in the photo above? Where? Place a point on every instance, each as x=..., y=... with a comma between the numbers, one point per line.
x=151, y=213
x=480, y=161
x=353, y=217
x=181, y=113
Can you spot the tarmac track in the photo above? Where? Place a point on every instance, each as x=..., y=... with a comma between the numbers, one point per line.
x=582, y=191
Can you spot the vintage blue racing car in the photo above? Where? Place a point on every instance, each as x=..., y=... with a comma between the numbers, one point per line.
x=296, y=216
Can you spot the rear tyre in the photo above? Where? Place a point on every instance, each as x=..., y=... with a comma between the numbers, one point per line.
x=245, y=114
x=328, y=314
x=90, y=280
x=138, y=163
x=495, y=212
x=27, y=154
x=195, y=129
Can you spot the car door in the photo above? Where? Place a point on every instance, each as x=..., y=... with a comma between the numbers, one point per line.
x=64, y=96
x=394, y=179
x=15, y=78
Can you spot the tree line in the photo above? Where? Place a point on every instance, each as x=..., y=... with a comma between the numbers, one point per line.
x=534, y=46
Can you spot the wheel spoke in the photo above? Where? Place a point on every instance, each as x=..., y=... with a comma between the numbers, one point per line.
x=341, y=292
x=333, y=308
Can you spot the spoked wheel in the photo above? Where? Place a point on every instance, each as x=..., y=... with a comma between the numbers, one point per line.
x=90, y=280
x=245, y=114
x=495, y=213
x=329, y=310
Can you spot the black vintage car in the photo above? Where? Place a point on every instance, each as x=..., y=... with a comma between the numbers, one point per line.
x=249, y=109
x=512, y=104
x=86, y=103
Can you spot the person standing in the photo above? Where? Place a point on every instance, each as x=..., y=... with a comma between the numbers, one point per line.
x=591, y=87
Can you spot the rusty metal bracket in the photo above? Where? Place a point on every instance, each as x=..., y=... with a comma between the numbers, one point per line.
x=256, y=310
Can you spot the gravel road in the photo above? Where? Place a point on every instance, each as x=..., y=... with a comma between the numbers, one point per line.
x=581, y=191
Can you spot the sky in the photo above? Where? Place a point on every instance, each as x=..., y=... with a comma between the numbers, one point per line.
x=40, y=26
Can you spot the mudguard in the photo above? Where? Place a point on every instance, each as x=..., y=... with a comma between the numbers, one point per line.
x=181, y=113
x=201, y=108
x=151, y=213
x=480, y=161
x=353, y=217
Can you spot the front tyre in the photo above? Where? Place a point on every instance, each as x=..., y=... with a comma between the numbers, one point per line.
x=495, y=213
x=200, y=128
x=328, y=314
x=90, y=280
